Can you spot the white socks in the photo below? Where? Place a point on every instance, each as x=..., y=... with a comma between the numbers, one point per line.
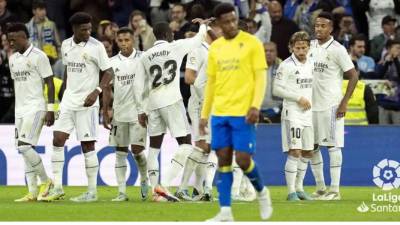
x=317, y=168
x=153, y=166
x=92, y=168
x=335, y=155
x=291, y=172
x=212, y=165
x=57, y=163
x=302, y=165
x=237, y=177
x=31, y=179
x=141, y=163
x=120, y=170
x=33, y=159
x=178, y=162
x=194, y=160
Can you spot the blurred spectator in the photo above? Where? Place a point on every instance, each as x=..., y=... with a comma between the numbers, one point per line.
x=108, y=45
x=179, y=25
x=346, y=5
x=143, y=32
x=389, y=105
x=376, y=11
x=271, y=106
x=305, y=15
x=290, y=8
x=6, y=83
x=57, y=11
x=120, y=10
x=5, y=16
x=378, y=42
x=366, y=64
x=43, y=32
x=346, y=30
x=208, y=6
x=362, y=108
x=282, y=29
x=159, y=11
x=359, y=8
x=98, y=9
x=101, y=29
x=263, y=33
x=22, y=9
x=110, y=33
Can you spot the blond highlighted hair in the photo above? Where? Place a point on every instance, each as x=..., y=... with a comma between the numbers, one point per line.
x=299, y=36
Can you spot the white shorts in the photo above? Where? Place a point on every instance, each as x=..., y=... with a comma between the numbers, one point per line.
x=328, y=131
x=172, y=117
x=194, y=110
x=28, y=128
x=295, y=136
x=124, y=134
x=85, y=122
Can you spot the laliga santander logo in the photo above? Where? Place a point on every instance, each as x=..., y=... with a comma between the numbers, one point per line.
x=387, y=174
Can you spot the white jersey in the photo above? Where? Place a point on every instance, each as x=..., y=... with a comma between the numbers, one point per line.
x=28, y=71
x=84, y=61
x=331, y=60
x=124, y=105
x=161, y=65
x=197, y=61
x=294, y=80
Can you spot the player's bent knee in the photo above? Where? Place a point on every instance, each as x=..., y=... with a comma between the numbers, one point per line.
x=21, y=143
x=121, y=149
x=156, y=141
x=87, y=146
x=307, y=154
x=203, y=145
x=59, y=138
x=243, y=160
x=184, y=140
x=136, y=149
x=295, y=153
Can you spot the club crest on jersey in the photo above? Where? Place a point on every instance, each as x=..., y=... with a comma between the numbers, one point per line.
x=241, y=45
x=192, y=60
x=85, y=56
x=116, y=70
x=297, y=72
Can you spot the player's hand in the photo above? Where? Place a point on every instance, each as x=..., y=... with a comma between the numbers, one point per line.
x=202, y=127
x=142, y=119
x=91, y=98
x=304, y=103
x=203, y=21
x=341, y=110
x=253, y=115
x=49, y=118
x=106, y=118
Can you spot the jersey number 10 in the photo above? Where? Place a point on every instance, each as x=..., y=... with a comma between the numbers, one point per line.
x=157, y=71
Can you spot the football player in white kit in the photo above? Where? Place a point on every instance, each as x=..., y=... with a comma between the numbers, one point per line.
x=331, y=63
x=29, y=67
x=84, y=59
x=158, y=89
x=201, y=160
x=293, y=83
x=125, y=130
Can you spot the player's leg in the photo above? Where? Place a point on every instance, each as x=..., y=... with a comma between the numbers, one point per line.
x=86, y=124
x=336, y=158
x=138, y=143
x=306, y=155
x=29, y=132
x=221, y=141
x=244, y=143
x=119, y=138
x=201, y=173
x=237, y=179
x=317, y=163
x=211, y=168
x=175, y=118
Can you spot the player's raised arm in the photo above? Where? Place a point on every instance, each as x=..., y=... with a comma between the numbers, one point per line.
x=184, y=46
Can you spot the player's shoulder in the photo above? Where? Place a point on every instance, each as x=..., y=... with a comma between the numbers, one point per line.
x=287, y=63
x=249, y=38
x=36, y=52
x=93, y=42
x=66, y=42
x=114, y=58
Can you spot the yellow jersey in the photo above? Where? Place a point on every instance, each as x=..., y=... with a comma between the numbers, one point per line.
x=236, y=67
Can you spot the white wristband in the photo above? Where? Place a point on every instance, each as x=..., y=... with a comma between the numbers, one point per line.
x=99, y=89
x=50, y=107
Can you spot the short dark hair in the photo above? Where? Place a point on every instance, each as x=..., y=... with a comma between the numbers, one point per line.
x=124, y=30
x=136, y=13
x=80, y=18
x=357, y=37
x=248, y=20
x=179, y=4
x=326, y=15
x=243, y=26
x=391, y=42
x=17, y=27
x=223, y=8
x=161, y=29
x=38, y=4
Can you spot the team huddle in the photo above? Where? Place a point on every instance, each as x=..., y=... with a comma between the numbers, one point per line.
x=141, y=100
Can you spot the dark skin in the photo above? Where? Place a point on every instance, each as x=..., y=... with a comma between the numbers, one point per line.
x=228, y=23
x=125, y=44
x=323, y=29
x=82, y=34
x=19, y=42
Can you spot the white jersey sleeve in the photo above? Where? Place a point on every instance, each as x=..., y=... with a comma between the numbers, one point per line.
x=343, y=59
x=103, y=61
x=43, y=66
x=281, y=84
x=141, y=88
x=192, y=61
x=184, y=46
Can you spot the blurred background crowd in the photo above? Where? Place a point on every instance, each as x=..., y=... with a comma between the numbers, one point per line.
x=367, y=28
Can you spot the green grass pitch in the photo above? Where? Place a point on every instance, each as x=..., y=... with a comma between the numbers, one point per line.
x=136, y=210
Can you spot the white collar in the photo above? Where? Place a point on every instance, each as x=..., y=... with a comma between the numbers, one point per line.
x=295, y=60
x=326, y=44
x=28, y=50
x=82, y=43
x=158, y=42
x=131, y=56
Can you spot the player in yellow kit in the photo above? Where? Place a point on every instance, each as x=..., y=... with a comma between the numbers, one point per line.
x=234, y=93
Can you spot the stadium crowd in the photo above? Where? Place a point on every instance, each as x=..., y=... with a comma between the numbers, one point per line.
x=367, y=28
